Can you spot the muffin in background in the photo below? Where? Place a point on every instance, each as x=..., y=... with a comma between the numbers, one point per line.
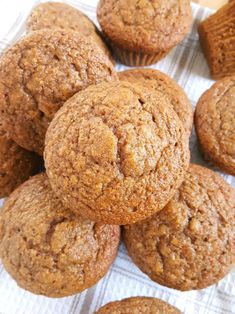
x=161, y=82
x=137, y=305
x=215, y=124
x=190, y=243
x=217, y=37
x=16, y=164
x=143, y=32
x=51, y=15
x=46, y=248
x=39, y=73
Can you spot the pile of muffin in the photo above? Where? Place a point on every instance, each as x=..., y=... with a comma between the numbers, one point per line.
x=116, y=152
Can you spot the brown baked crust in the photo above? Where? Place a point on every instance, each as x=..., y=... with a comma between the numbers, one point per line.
x=61, y=15
x=39, y=73
x=217, y=37
x=215, y=121
x=116, y=152
x=46, y=248
x=16, y=164
x=50, y=15
x=161, y=82
x=145, y=26
x=138, y=305
x=190, y=243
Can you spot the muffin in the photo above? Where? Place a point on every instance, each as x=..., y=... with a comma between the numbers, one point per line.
x=217, y=35
x=116, y=153
x=137, y=305
x=214, y=123
x=38, y=74
x=190, y=243
x=163, y=83
x=50, y=15
x=143, y=32
x=16, y=164
x=46, y=248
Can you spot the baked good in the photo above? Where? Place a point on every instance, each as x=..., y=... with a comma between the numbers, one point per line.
x=214, y=123
x=161, y=82
x=52, y=15
x=116, y=152
x=46, y=248
x=138, y=305
x=39, y=73
x=16, y=164
x=190, y=244
x=217, y=37
x=143, y=32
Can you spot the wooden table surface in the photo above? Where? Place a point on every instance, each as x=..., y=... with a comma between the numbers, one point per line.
x=213, y=4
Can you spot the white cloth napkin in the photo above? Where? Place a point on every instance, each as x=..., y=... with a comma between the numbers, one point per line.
x=188, y=67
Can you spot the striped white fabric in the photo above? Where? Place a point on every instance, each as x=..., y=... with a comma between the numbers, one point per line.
x=188, y=67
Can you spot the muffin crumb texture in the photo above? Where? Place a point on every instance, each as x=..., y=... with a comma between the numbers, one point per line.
x=116, y=153
x=160, y=82
x=46, y=248
x=145, y=26
x=39, y=73
x=214, y=123
x=50, y=15
x=190, y=243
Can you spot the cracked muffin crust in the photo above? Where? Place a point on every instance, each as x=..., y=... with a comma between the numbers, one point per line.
x=190, y=243
x=46, y=248
x=52, y=15
x=16, y=164
x=159, y=81
x=116, y=152
x=214, y=123
x=142, y=32
x=138, y=305
x=38, y=74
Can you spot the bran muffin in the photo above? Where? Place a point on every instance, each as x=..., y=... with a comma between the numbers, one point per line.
x=161, y=82
x=138, y=305
x=116, y=152
x=50, y=15
x=46, y=248
x=143, y=32
x=217, y=37
x=16, y=164
x=190, y=243
x=215, y=124
x=39, y=73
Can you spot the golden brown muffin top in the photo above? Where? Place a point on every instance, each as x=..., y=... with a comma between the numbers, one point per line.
x=50, y=15
x=190, y=244
x=61, y=15
x=215, y=123
x=39, y=73
x=138, y=305
x=46, y=248
x=116, y=152
x=145, y=25
x=160, y=82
